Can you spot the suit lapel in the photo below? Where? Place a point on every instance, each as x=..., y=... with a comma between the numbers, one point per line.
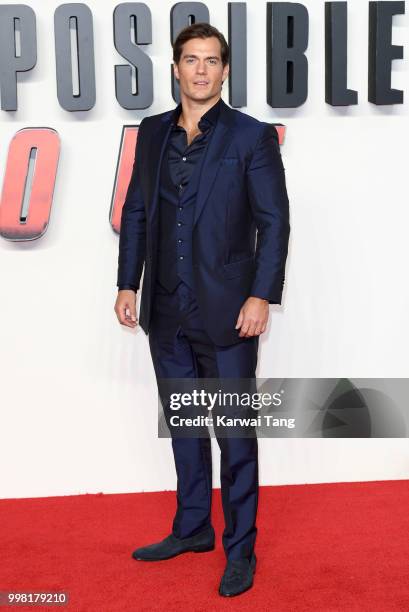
x=219, y=142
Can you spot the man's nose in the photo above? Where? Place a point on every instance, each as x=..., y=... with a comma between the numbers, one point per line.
x=201, y=67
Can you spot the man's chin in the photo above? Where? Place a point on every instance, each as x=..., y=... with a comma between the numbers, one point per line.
x=201, y=96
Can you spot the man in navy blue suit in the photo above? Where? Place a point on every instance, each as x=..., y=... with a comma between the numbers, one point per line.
x=206, y=214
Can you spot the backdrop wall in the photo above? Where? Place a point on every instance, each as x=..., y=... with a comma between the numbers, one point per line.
x=78, y=393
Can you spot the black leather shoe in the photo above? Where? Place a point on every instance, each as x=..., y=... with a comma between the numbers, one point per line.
x=238, y=576
x=172, y=546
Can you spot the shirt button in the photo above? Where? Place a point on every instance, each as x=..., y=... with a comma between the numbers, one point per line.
x=180, y=187
x=181, y=257
x=179, y=240
x=179, y=224
x=184, y=158
x=180, y=207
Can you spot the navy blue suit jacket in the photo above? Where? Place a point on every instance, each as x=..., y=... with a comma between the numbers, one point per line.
x=241, y=220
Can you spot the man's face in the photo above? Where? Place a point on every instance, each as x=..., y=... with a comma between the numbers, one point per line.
x=200, y=70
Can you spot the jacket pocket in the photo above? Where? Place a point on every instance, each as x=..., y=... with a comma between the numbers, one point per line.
x=239, y=268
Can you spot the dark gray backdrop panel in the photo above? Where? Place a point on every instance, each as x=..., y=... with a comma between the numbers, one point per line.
x=238, y=53
x=9, y=63
x=336, y=55
x=124, y=15
x=287, y=65
x=86, y=63
x=381, y=52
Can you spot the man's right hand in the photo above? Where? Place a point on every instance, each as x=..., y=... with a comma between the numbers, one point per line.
x=125, y=307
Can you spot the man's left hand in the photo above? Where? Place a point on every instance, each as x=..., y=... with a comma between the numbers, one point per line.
x=253, y=317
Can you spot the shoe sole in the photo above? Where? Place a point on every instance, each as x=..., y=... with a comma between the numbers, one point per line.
x=235, y=594
x=196, y=550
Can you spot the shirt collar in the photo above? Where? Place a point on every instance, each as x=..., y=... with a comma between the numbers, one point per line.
x=209, y=117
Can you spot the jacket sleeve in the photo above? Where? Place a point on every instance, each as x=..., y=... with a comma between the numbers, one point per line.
x=132, y=236
x=269, y=202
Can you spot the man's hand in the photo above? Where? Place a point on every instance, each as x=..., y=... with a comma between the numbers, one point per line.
x=253, y=317
x=125, y=307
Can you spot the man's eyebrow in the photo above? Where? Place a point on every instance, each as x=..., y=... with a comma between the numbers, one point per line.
x=208, y=57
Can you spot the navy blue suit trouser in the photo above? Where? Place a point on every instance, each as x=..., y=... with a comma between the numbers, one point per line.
x=181, y=348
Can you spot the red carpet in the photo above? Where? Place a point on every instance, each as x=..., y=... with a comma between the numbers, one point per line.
x=327, y=547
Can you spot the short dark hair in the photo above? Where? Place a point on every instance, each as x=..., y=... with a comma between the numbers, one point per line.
x=200, y=30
